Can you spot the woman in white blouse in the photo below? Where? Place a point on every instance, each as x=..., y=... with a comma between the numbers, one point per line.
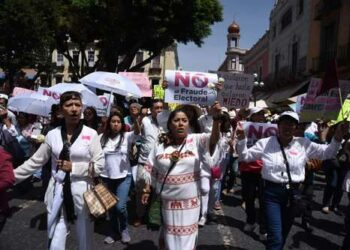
x=116, y=144
x=72, y=148
x=274, y=171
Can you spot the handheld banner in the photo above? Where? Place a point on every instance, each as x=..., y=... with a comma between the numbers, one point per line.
x=236, y=91
x=186, y=87
x=255, y=131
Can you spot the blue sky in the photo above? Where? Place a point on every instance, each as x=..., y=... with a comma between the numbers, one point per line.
x=253, y=18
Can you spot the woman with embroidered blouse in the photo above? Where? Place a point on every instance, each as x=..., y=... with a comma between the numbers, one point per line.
x=73, y=148
x=180, y=201
x=277, y=190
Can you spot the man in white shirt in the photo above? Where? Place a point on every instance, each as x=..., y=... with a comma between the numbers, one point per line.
x=149, y=135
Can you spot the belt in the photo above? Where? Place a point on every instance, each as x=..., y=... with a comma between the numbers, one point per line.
x=285, y=185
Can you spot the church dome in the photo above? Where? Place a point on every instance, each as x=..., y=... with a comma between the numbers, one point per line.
x=233, y=28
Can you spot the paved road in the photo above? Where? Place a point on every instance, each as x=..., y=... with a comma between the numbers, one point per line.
x=27, y=228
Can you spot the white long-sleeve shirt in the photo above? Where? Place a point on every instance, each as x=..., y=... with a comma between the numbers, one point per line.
x=298, y=152
x=149, y=135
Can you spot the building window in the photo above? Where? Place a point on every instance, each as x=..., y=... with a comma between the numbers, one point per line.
x=139, y=57
x=59, y=61
x=328, y=42
x=286, y=19
x=233, y=63
x=277, y=64
x=156, y=62
x=91, y=58
x=301, y=7
x=294, y=58
x=76, y=57
x=59, y=78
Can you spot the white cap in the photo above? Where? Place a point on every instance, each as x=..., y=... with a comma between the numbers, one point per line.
x=4, y=96
x=254, y=110
x=221, y=79
x=232, y=114
x=292, y=114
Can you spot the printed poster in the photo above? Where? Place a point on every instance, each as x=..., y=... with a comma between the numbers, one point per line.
x=255, y=131
x=325, y=106
x=237, y=90
x=185, y=87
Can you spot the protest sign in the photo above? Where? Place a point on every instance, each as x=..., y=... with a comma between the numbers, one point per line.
x=236, y=91
x=190, y=87
x=344, y=112
x=158, y=92
x=107, y=101
x=255, y=131
x=300, y=103
x=325, y=106
x=141, y=81
x=18, y=91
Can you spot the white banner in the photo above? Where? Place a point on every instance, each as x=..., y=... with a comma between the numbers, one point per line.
x=236, y=91
x=190, y=87
x=255, y=131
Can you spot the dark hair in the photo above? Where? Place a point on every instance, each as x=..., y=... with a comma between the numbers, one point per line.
x=225, y=123
x=287, y=118
x=155, y=101
x=69, y=95
x=108, y=131
x=95, y=120
x=192, y=115
x=167, y=138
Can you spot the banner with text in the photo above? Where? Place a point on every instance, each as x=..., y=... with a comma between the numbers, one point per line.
x=236, y=91
x=255, y=131
x=325, y=106
x=190, y=87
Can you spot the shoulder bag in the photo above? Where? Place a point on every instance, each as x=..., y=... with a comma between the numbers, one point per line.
x=98, y=198
x=296, y=204
x=155, y=210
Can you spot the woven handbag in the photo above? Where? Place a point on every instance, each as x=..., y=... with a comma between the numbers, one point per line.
x=99, y=199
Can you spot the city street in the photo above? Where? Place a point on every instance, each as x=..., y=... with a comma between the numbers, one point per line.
x=27, y=228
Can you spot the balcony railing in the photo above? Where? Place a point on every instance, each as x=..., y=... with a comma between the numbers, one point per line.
x=342, y=55
x=324, y=7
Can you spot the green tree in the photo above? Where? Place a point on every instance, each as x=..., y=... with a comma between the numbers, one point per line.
x=27, y=29
x=123, y=27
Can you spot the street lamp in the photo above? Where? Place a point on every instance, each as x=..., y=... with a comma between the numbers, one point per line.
x=258, y=83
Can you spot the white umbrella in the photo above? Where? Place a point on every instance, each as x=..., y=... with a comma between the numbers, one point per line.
x=89, y=98
x=31, y=103
x=112, y=82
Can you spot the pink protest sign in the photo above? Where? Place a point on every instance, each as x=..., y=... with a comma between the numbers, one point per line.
x=141, y=81
x=18, y=91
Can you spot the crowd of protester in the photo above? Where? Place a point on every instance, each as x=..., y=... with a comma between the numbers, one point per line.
x=190, y=156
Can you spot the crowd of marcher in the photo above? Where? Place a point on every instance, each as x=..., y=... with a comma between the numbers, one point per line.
x=185, y=159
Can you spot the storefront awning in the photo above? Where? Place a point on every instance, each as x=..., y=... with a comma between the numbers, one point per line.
x=282, y=95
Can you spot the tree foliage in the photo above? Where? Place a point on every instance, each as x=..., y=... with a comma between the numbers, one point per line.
x=30, y=29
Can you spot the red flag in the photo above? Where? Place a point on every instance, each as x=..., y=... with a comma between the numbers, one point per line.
x=330, y=79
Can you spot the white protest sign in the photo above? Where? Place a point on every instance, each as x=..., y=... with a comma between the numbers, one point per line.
x=236, y=91
x=190, y=87
x=107, y=100
x=255, y=131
